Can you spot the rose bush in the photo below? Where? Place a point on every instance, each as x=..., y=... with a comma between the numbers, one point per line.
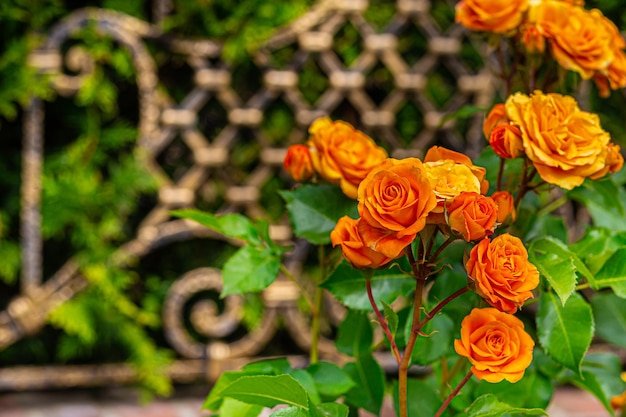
x=466, y=266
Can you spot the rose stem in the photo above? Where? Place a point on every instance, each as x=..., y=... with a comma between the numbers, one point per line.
x=382, y=321
x=430, y=314
x=453, y=394
x=441, y=248
x=500, y=172
x=403, y=368
x=293, y=279
x=317, y=308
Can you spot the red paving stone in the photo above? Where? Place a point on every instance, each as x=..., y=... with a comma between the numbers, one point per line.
x=568, y=402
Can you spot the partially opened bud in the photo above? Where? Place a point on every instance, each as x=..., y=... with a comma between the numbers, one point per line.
x=472, y=215
x=298, y=163
x=505, y=202
x=506, y=141
x=497, y=116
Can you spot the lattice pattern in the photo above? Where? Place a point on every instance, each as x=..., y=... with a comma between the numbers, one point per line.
x=417, y=68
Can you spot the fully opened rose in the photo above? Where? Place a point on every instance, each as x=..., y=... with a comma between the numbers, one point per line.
x=501, y=273
x=565, y=144
x=472, y=215
x=496, y=344
x=346, y=235
x=394, y=200
x=498, y=16
x=342, y=154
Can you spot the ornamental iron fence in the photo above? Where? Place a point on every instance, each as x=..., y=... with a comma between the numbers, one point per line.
x=397, y=82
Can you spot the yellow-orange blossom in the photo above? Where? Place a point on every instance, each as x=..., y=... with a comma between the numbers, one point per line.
x=496, y=344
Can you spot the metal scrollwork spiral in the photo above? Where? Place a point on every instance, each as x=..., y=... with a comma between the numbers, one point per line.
x=191, y=303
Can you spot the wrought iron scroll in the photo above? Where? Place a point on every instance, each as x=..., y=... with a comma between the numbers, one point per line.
x=162, y=120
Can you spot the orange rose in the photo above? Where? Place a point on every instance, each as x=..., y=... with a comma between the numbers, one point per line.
x=472, y=215
x=504, y=138
x=501, y=273
x=451, y=173
x=346, y=234
x=614, y=162
x=497, y=16
x=566, y=145
x=342, y=154
x=396, y=197
x=505, y=202
x=298, y=163
x=533, y=39
x=496, y=344
x=579, y=39
x=506, y=141
x=497, y=116
x=615, y=74
x=614, y=77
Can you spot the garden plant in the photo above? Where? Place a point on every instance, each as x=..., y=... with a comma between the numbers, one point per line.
x=467, y=268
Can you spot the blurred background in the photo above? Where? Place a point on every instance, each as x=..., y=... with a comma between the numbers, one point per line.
x=113, y=113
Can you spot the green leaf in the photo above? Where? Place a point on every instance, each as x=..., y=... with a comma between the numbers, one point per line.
x=268, y=391
x=601, y=377
x=565, y=331
x=268, y=367
x=613, y=273
x=438, y=341
x=333, y=410
x=348, y=285
x=544, y=225
x=355, y=335
x=249, y=270
x=315, y=209
x=428, y=402
x=534, y=390
x=331, y=381
x=232, y=407
x=287, y=412
x=489, y=406
x=231, y=225
x=392, y=318
x=606, y=202
x=370, y=384
x=609, y=311
x=558, y=265
x=215, y=397
x=597, y=246
x=308, y=383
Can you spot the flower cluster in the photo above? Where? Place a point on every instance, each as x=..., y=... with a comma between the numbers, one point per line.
x=579, y=40
x=564, y=143
x=336, y=152
x=398, y=199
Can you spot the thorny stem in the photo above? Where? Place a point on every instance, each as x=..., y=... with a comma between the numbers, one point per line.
x=317, y=308
x=503, y=75
x=524, y=184
x=454, y=392
x=383, y=322
x=442, y=247
x=315, y=325
x=500, y=174
x=553, y=206
x=442, y=304
x=403, y=368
